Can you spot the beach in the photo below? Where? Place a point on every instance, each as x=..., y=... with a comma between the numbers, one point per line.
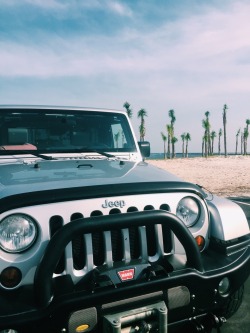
x=224, y=176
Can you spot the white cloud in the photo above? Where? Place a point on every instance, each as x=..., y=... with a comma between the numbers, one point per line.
x=55, y=4
x=194, y=64
x=207, y=49
x=119, y=8
x=110, y=5
x=210, y=41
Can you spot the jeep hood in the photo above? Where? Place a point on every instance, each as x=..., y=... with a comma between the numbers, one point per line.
x=56, y=174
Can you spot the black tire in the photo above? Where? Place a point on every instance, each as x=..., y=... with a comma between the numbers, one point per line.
x=232, y=304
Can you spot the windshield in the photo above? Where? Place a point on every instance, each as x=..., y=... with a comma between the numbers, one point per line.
x=64, y=131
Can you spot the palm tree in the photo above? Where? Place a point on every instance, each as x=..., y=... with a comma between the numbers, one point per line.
x=205, y=125
x=242, y=142
x=172, y=121
x=174, y=140
x=237, y=138
x=202, y=146
x=187, y=138
x=183, y=136
x=247, y=134
x=213, y=136
x=225, y=107
x=169, y=131
x=116, y=137
x=129, y=111
x=142, y=114
x=207, y=113
x=220, y=134
x=248, y=123
x=164, y=138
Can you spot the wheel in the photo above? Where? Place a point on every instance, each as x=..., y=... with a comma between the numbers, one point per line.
x=232, y=304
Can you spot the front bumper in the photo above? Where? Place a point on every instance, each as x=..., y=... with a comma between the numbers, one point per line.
x=189, y=289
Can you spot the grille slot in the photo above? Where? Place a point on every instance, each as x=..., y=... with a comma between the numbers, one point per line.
x=98, y=248
x=55, y=223
x=117, y=245
x=135, y=248
x=151, y=235
x=106, y=248
x=78, y=248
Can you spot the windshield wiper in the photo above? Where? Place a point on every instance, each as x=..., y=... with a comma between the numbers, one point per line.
x=88, y=150
x=82, y=150
x=26, y=152
x=61, y=151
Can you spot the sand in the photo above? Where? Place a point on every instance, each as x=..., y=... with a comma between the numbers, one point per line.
x=225, y=176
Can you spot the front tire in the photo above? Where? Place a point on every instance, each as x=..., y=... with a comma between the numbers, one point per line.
x=232, y=304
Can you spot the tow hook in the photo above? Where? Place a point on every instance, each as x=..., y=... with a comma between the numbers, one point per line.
x=218, y=322
x=211, y=321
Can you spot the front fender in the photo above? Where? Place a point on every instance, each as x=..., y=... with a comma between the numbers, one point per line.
x=228, y=220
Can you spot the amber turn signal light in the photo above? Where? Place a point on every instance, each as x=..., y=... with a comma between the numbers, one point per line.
x=82, y=328
x=200, y=241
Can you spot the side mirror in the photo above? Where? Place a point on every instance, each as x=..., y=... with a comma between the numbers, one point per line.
x=144, y=148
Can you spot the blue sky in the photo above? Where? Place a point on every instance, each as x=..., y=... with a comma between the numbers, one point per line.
x=192, y=56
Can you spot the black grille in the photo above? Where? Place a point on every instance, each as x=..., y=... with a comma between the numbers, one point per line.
x=124, y=245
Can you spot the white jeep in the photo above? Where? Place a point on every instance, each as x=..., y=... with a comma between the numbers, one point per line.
x=94, y=239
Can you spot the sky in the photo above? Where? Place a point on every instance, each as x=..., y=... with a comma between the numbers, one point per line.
x=191, y=56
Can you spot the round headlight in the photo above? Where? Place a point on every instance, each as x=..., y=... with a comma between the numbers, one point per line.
x=17, y=233
x=188, y=211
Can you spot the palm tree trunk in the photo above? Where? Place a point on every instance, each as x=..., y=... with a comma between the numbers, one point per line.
x=241, y=145
x=225, y=129
x=186, y=149
x=168, y=151
x=225, y=141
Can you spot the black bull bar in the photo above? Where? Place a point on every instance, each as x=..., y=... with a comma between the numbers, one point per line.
x=44, y=289
x=201, y=274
